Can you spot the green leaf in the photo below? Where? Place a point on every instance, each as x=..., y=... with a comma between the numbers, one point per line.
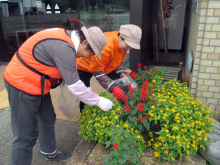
x=125, y=146
x=148, y=125
x=129, y=139
x=145, y=121
x=134, y=111
x=165, y=158
x=140, y=126
x=132, y=102
x=121, y=161
x=106, y=159
x=122, y=138
x=107, y=143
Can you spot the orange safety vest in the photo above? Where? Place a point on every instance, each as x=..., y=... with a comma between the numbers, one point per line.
x=24, y=79
x=111, y=57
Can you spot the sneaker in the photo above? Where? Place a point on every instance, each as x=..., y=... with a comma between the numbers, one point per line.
x=58, y=156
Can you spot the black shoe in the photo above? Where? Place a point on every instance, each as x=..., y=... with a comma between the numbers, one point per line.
x=58, y=156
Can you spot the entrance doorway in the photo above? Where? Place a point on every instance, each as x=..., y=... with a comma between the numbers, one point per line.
x=165, y=25
x=169, y=24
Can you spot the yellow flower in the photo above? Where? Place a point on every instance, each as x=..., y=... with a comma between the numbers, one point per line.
x=138, y=136
x=156, y=154
x=126, y=125
x=116, y=117
x=117, y=125
x=166, y=152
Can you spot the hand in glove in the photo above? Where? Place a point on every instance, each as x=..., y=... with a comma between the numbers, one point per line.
x=118, y=92
x=104, y=104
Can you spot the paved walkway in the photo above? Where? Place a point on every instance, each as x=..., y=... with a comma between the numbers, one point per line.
x=67, y=137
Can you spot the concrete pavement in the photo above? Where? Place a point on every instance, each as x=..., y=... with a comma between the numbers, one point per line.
x=66, y=131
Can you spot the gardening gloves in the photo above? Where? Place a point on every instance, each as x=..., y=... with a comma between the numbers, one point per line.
x=118, y=92
x=104, y=104
x=88, y=97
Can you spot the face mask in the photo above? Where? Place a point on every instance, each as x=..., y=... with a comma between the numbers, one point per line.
x=83, y=46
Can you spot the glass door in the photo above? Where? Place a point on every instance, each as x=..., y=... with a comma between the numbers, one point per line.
x=168, y=30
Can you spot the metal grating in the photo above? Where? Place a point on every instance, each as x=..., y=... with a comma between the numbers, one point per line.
x=170, y=73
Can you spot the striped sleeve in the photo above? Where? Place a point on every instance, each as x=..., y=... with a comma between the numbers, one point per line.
x=104, y=80
x=120, y=69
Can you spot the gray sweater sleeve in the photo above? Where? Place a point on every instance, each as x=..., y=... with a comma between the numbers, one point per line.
x=61, y=54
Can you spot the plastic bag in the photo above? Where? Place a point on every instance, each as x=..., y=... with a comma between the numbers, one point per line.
x=67, y=103
x=212, y=150
x=124, y=83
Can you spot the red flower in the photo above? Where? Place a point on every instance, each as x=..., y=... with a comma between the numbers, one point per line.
x=127, y=108
x=130, y=157
x=144, y=95
x=145, y=85
x=132, y=107
x=140, y=107
x=131, y=90
x=116, y=146
x=154, y=105
x=128, y=161
x=155, y=70
x=140, y=119
x=145, y=68
x=146, y=150
x=139, y=65
x=147, y=117
x=133, y=75
x=118, y=149
x=151, y=90
x=125, y=99
x=149, y=74
x=153, y=100
x=149, y=98
x=140, y=77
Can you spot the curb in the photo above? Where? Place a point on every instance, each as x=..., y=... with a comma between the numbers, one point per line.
x=81, y=152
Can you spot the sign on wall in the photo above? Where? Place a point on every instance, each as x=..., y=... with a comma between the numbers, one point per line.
x=38, y=4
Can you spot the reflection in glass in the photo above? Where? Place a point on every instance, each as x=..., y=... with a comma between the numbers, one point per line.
x=23, y=18
x=168, y=29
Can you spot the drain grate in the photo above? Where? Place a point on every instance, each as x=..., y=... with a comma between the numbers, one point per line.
x=170, y=73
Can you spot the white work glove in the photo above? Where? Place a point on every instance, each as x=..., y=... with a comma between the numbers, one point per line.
x=104, y=104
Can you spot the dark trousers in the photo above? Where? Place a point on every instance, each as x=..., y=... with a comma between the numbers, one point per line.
x=30, y=119
x=86, y=76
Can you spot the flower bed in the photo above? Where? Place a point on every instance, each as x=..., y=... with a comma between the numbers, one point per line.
x=176, y=124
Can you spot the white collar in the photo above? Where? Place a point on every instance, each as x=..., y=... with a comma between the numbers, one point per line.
x=75, y=39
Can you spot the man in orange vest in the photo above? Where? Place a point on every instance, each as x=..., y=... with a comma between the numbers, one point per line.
x=72, y=24
x=111, y=66
x=50, y=53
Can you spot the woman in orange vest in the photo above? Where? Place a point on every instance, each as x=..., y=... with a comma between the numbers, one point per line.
x=111, y=66
x=48, y=54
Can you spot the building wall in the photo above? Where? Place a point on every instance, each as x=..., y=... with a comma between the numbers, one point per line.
x=204, y=42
